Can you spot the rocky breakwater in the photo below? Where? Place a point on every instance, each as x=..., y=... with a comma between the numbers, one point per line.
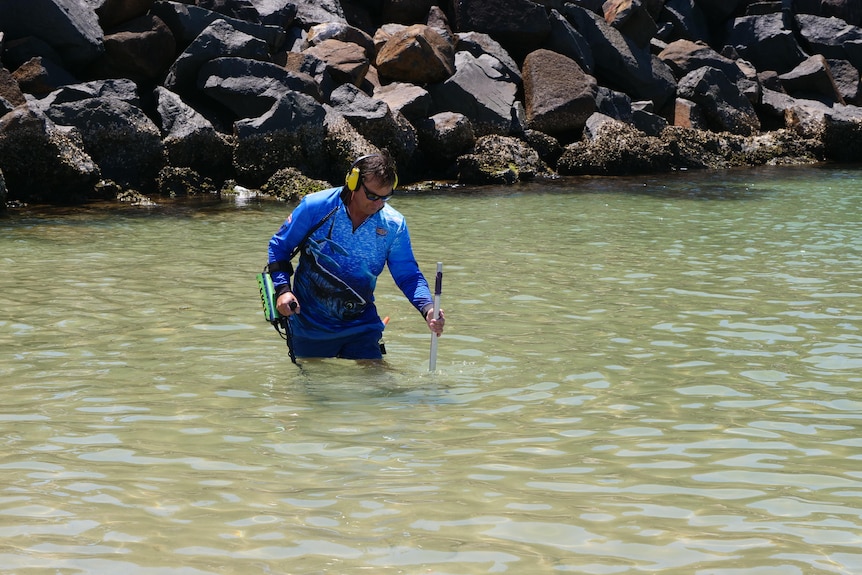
x=103, y=99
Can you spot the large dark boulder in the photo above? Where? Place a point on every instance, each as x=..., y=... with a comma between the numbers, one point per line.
x=566, y=40
x=620, y=63
x=189, y=139
x=500, y=160
x=480, y=92
x=521, y=26
x=765, y=42
x=187, y=22
x=291, y=133
x=249, y=88
x=724, y=105
x=218, y=40
x=42, y=162
x=376, y=122
x=614, y=148
x=70, y=27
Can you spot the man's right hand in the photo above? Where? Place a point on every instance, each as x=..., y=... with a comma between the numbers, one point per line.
x=287, y=304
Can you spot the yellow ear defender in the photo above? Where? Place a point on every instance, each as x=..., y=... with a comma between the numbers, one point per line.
x=351, y=180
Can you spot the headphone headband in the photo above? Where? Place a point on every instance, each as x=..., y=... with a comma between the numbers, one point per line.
x=351, y=180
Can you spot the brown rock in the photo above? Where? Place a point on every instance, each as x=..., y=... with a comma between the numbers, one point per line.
x=9, y=89
x=346, y=62
x=558, y=95
x=686, y=114
x=416, y=54
x=632, y=19
x=141, y=49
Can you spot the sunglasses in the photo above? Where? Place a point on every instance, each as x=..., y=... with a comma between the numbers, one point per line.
x=374, y=197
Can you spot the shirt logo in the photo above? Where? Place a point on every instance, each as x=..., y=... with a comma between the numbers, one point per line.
x=382, y=231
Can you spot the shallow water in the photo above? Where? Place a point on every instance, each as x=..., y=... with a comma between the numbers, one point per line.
x=640, y=375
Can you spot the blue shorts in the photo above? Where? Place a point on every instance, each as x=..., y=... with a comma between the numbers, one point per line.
x=365, y=345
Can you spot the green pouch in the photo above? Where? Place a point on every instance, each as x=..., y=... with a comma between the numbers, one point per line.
x=267, y=297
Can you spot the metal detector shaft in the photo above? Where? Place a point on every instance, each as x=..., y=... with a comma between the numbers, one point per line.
x=438, y=288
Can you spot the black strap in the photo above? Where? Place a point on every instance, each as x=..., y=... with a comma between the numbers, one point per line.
x=311, y=231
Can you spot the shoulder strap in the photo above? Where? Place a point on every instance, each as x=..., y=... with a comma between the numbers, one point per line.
x=286, y=265
x=313, y=229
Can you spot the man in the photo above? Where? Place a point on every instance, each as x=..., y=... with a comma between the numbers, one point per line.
x=345, y=236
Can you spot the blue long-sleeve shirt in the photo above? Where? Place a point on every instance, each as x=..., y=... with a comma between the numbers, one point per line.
x=338, y=266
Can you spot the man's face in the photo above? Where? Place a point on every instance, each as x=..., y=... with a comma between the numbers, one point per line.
x=370, y=195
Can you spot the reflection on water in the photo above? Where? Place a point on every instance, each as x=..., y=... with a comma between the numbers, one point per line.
x=655, y=375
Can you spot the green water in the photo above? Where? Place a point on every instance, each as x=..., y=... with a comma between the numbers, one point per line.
x=653, y=375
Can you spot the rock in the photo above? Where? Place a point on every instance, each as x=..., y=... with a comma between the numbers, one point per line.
x=187, y=22
x=849, y=11
x=70, y=27
x=847, y=81
x=190, y=140
x=342, y=32
x=140, y=49
x=40, y=76
x=617, y=105
x=614, y=149
x=17, y=52
x=312, y=12
x=558, y=95
x=648, y=122
x=766, y=43
x=42, y=162
x=438, y=21
x=291, y=185
x=120, y=89
x=249, y=88
x=308, y=65
x=117, y=135
x=480, y=90
x=567, y=41
x=812, y=77
x=177, y=182
x=377, y=123
x=684, y=56
x=112, y=13
x=832, y=38
x=842, y=134
x=721, y=101
x=632, y=19
x=291, y=133
x=217, y=40
x=547, y=146
x=278, y=13
x=687, y=114
x=620, y=63
x=346, y=62
x=478, y=44
x=239, y=9
x=445, y=136
x=418, y=55
x=10, y=91
x=499, y=160
x=685, y=20
x=408, y=99
x=521, y=26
